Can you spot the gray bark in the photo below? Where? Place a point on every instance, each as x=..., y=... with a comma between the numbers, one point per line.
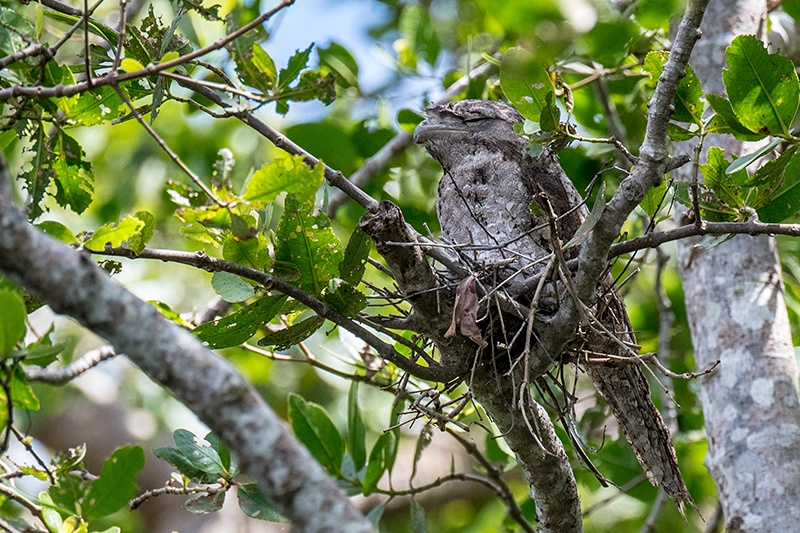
x=737, y=314
x=72, y=284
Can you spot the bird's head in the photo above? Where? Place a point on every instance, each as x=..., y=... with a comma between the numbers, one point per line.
x=462, y=128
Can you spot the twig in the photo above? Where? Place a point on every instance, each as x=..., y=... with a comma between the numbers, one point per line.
x=212, y=264
x=59, y=376
x=211, y=488
x=12, y=495
x=164, y=146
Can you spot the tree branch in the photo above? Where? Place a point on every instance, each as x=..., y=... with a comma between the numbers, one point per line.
x=72, y=284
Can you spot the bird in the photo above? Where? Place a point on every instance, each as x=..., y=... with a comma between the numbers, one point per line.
x=497, y=198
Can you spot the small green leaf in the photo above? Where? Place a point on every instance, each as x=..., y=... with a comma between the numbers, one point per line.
x=22, y=395
x=205, y=503
x=745, y=160
x=550, y=116
x=296, y=63
x=201, y=456
x=408, y=120
x=377, y=463
x=763, y=88
x=344, y=298
x=264, y=64
x=12, y=321
x=283, y=339
x=525, y=82
x=139, y=240
x=356, y=430
x=51, y=518
x=688, y=107
x=723, y=108
x=785, y=201
x=176, y=458
x=116, y=485
x=131, y=65
x=313, y=427
x=114, y=233
x=252, y=253
x=255, y=504
x=336, y=58
x=39, y=20
x=57, y=230
x=355, y=258
x=654, y=199
x=289, y=175
x=374, y=516
x=238, y=327
x=231, y=287
x=726, y=187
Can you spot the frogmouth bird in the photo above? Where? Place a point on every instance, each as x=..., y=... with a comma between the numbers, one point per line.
x=497, y=198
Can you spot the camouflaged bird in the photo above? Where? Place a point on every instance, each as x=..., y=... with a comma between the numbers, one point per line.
x=485, y=198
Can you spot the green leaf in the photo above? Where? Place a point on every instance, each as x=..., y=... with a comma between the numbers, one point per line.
x=785, y=200
x=374, y=516
x=763, y=88
x=355, y=258
x=252, y=253
x=654, y=199
x=551, y=116
x=283, y=339
x=309, y=242
x=418, y=522
x=116, y=485
x=131, y=65
x=336, y=58
x=377, y=463
x=289, y=175
x=313, y=427
x=296, y=63
x=718, y=180
x=408, y=120
x=588, y=225
x=176, y=458
x=265, y=66
x=525, y=82
x=72, y=173
x=356, y=430
x=51, y=518
x=743, y=161
x=228, y=462
x=140, y=239
x=22, y=396
x=250, y=58
x=255, y=504
x=114, y=233
x=231, y=287
x=202, y=456
x=723, y=108
x=238, y=327
x=12, y=321
x=416, y=26
x=200, y=233
x=57, y=230
x=688, y=106
x=205, y=503
x=344, y=298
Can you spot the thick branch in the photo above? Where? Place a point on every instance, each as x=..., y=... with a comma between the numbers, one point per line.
x=72, y=284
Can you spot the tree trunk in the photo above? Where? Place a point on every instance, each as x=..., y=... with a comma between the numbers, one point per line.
x=737, y=314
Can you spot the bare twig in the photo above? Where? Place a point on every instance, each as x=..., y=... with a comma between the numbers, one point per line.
x=59, y=376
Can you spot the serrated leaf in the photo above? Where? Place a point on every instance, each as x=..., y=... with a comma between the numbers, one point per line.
x=255, y=504
x=308, y=241
x=238, y=327
x=114, y=233
x=356, y=430
x=200, y=455
x=420, y=34
x=72, y=173
x=717, y=179
x=290, y=175
x=116, y=485
x=283, y=339
x=296, y=64
x=763, y=88
x=525, y=82
x=140, y=239
x=356, y=254
x=313, y=427
x=252, y=253
x=231, y=287
x=12, y=321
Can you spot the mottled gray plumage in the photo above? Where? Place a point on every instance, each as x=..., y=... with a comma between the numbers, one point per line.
x=490, y=181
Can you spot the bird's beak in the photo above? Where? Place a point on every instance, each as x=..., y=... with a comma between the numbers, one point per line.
x=427, y=130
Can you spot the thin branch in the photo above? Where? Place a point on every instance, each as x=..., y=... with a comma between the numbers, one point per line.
x=14, y=496
x=164, y=146
x=59, y=376
x=210, y=489
x=270, y=282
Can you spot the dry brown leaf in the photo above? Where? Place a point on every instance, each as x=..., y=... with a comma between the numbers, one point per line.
x=465, y=313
